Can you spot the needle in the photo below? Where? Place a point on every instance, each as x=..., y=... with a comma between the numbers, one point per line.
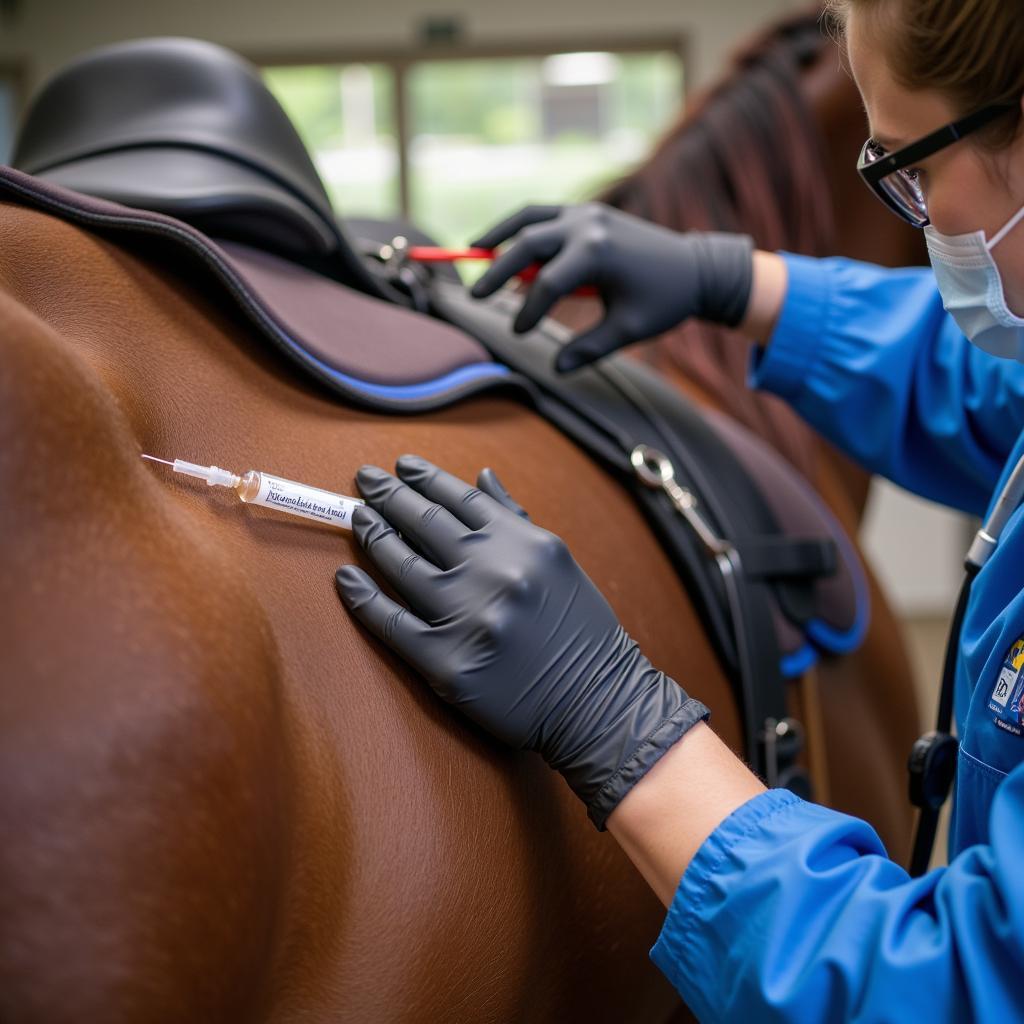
x=153, y=458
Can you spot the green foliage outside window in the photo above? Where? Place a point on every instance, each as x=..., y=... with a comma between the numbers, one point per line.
x=485, y=135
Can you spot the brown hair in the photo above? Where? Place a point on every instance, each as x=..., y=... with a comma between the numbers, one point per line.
x=971, y=51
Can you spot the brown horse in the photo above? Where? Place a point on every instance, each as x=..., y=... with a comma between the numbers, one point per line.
x=220, y=800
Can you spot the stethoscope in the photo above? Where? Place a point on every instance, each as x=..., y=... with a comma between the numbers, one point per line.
x=932, y=762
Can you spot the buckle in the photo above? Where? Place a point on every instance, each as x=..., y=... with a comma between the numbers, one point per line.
x=782, y=740
x=654, y=469
x=932, y=767
x=397, y=269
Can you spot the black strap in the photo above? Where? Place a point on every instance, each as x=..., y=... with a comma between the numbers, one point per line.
x=772, y=739
x=932, y=762
x=790, y=563
x=772, y=558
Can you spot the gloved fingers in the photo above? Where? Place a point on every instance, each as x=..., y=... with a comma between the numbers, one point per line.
x=411, y=576
x=505, y=229
x=561, y=277
x=591, y=345
x=534, y=245
x=467, y=503
x=385, y=619
x=430, y=526
x=488, y=482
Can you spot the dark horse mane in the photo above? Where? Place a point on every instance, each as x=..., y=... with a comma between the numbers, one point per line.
x=755, y=117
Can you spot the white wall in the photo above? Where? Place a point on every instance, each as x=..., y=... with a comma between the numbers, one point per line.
x=48, y=32
x=916, y=549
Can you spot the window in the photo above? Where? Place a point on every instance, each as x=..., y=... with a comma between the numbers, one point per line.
x=346, y=117
x=479, y=136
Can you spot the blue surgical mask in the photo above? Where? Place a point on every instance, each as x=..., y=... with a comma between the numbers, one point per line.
x=972, y=290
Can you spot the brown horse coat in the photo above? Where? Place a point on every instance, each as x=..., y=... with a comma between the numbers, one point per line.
x=220, y=800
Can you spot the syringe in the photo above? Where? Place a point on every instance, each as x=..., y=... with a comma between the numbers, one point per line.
x=258, y=488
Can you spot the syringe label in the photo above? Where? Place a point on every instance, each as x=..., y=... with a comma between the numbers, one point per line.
x=302, y=500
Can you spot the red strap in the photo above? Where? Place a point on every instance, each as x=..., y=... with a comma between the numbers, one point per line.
x=439, y=254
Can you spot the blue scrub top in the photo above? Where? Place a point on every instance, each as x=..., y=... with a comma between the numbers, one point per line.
x=791, y=911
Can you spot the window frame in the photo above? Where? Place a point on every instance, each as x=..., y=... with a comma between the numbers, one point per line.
x=400, y=61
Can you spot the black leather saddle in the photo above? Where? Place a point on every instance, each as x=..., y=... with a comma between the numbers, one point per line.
x=182, y=129
x=188, y=128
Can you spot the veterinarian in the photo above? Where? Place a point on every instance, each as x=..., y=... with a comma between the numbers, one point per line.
x=778, y=909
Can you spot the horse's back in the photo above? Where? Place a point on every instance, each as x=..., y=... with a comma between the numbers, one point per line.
x=225, y=801
x=143, y=808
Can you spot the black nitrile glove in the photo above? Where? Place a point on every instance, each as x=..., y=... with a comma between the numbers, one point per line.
x=649, y=277
x=506, y=626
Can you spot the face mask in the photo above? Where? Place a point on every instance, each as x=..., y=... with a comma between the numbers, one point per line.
x=972, y=290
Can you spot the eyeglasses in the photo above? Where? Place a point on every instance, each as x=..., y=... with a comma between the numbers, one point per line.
x=891, y=177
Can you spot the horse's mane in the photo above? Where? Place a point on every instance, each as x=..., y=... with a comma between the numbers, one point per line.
x=746, y=153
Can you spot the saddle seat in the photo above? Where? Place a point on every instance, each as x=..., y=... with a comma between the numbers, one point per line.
x=187, y=128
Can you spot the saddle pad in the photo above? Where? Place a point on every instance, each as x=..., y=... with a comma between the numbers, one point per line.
x=372, y=352
x=838, y=618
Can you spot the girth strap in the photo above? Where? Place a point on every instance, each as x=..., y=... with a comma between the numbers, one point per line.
x=612, y=409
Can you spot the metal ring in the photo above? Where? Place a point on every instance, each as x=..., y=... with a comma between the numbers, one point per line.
x=789, y=726
x=652, y=467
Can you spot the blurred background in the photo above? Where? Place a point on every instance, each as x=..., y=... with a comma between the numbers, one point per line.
x=456, y=113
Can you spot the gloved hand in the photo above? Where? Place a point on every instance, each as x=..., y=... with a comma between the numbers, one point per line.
x=506, y=626
x=649, y=277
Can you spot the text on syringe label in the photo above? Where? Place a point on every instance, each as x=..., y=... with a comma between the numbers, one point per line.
x=300, y=499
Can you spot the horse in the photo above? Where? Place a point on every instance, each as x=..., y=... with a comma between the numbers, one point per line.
x=223, y=801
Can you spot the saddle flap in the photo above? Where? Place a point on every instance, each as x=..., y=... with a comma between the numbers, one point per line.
x=371, y=352
x=385, y=346
x=833, y=610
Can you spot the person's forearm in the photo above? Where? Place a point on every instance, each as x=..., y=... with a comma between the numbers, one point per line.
x=767, y=295
x=664, y=819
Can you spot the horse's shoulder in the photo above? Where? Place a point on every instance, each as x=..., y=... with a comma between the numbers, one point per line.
x=142, y=790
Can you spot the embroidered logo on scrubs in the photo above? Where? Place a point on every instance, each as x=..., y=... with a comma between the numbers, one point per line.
x=1008, y=693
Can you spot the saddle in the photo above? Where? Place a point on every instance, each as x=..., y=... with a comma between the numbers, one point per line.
x=177, y=145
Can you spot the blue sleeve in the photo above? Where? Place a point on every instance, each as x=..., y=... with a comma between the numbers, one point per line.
x=869, y=357
x=791, y=912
